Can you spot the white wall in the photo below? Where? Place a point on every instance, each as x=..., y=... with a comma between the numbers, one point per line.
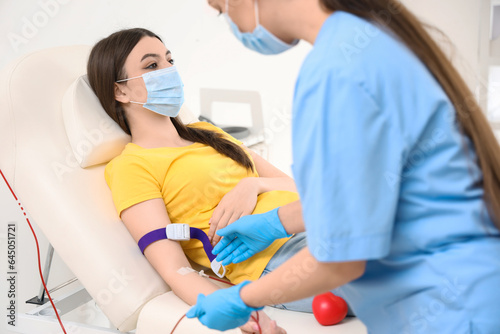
x=459, y=20
x=207, y=56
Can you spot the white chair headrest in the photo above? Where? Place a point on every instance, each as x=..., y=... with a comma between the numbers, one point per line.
x=95, y=138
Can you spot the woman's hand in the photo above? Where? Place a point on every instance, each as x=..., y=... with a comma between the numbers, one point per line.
x=239, y=202
x=267, y=326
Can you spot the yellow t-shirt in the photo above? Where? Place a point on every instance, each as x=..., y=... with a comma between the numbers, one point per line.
x=191, y=180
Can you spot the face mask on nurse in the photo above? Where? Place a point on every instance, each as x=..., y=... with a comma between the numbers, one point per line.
x=259, y=40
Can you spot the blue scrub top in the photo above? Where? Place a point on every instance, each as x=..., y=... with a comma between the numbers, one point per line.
x=385, y=175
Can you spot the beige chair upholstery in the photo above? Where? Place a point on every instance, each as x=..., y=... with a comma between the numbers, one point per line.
x=71, y=205
x=47, y=141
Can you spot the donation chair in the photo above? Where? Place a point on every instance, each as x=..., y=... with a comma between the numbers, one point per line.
x=56, y=140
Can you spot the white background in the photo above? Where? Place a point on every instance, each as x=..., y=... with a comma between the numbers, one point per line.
x=206, y=54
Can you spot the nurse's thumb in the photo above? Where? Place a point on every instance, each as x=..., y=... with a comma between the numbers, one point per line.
x=196, y=311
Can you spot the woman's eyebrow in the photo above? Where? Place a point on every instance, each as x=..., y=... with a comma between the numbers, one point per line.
x=154, y=55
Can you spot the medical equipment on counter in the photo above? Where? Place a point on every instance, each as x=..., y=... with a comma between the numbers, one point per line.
x=238, y=132
x=255, y=139
x=58, y=176
x=182, y=232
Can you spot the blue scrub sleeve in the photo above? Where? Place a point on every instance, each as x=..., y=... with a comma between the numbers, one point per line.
x=346, y=149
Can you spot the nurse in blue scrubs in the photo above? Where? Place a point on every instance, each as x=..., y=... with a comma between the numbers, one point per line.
x=397, y=169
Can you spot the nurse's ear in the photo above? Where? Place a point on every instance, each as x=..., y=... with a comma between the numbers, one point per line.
x=120, y=95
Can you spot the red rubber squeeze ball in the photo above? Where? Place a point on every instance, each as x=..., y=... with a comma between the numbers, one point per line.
x=329, y=309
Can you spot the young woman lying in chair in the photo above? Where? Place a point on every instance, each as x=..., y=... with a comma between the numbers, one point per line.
x=172, y=173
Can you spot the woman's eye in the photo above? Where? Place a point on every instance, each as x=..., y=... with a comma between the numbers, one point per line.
x=152, y=66
x=171, y=61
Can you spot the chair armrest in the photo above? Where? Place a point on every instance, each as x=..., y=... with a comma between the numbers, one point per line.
x=162, y=313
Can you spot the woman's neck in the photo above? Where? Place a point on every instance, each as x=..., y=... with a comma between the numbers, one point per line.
x=151, y=130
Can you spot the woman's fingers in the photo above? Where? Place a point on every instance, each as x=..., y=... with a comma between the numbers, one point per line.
x=268, y=326
x=219, y=220
x=220, y=224
x=214, y=221
x=246, y=329
x=234, y=217
x=249, y=327
x=273, y=328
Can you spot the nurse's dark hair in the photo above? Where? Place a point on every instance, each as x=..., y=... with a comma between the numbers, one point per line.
x=106, y=65
x=470, y=118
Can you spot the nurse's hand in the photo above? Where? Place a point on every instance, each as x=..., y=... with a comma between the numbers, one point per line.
x=248, y=236
x=223, y=309
x=239, y=202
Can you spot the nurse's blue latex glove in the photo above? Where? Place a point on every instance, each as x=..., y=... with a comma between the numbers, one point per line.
x=247, y=236
x=223, y=309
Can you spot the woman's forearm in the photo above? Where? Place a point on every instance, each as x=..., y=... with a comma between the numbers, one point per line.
x=174, y=270
x=189, y=286
x=265, y=184
x=300, y=277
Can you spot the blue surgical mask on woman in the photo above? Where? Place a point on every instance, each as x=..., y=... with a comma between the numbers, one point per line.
x=165, y=91
x=260, y=40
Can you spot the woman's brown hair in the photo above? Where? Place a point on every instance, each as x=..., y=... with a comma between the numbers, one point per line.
x=471, y=120
x=106, y=66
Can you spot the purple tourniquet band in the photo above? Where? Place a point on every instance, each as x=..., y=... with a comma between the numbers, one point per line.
x=151, y=237
x=196, y=233
x=161, y=233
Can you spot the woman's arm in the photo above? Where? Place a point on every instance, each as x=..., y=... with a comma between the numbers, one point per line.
x=271, y=178
x=166, y=256
x=241, y=200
